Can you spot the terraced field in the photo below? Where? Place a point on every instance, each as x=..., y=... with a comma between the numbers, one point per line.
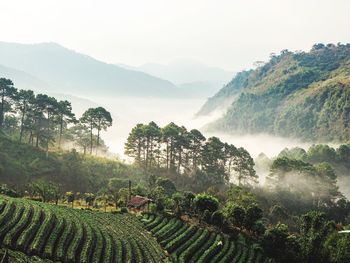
x=186, y=243
x=69, y=235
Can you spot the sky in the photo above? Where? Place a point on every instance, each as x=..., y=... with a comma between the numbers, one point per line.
x=230, y=34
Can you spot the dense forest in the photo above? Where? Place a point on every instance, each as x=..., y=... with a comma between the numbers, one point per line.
x=295, y=94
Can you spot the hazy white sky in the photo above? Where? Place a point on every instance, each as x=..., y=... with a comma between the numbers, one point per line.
x=231, y=34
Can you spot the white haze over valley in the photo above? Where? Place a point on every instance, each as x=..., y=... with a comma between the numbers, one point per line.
x=129, y=111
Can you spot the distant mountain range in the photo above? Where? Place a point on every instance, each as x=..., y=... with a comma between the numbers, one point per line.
x=296, y=94
x=23, y=80
x=67, y=71
x=194, y=78
x=54, y=68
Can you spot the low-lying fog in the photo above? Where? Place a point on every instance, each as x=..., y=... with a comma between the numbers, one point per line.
x=127, y=112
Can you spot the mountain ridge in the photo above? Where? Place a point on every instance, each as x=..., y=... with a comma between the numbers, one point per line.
x=70, y=71
x=296, y=94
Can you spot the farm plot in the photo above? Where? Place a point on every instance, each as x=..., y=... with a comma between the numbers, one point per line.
x=70, y=235
x=187, y=243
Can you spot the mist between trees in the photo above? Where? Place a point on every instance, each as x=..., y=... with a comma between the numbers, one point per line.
x=177, y=151
x=42, y=121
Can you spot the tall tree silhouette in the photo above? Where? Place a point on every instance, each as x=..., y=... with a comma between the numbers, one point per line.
x=7, y=94
x=24, y=101
x=88, y=120
x=96, y=118
x=103, y=120
x=65, y=116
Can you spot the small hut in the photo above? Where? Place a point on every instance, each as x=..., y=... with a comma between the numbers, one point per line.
x=139, y=203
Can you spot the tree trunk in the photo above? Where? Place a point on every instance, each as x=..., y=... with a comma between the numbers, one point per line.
x=239, y=177
x=22, y=125
x=37, y=141
x=171, y=154
x=2, y=111
x=167, y=155
x=139, y=151
x=61, y=131
x=91, y=139
x=30, y=137
x=147, y=153
x=180, y=161
x=98, y=136
x=129, y=190
x=47, y=134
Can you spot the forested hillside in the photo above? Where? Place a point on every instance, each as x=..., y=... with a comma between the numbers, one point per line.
x=295, y=94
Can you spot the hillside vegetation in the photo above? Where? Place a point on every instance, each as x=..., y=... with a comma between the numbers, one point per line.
x=295, y=94
x=69, y=235
x=22, y=164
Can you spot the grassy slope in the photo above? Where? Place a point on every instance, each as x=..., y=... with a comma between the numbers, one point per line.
x=21, y=164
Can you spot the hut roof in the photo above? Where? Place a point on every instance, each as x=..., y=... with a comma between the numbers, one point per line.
x=137, y=201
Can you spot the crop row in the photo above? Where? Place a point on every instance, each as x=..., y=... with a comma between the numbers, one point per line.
x=188, y=243
x=70, y=235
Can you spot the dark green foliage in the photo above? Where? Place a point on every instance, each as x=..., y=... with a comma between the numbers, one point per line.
x=217, y=218
x=206, y=202
x=252, y=215
x=314, y=228
x=4, y=190
x=168, y=186
x=237, y=214
x=206, y=216
x=123, y=210
x=275, y=242
x=320, y=152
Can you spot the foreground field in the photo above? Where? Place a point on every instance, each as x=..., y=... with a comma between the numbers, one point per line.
x=187, y=243
x=69, y=235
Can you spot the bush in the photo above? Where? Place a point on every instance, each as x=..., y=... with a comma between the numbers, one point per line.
x=217, y=218
x=124, y=210
x=237, y=215
x=206, y=202
x=253, y=214
x=7, y=191
x=207, y=216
